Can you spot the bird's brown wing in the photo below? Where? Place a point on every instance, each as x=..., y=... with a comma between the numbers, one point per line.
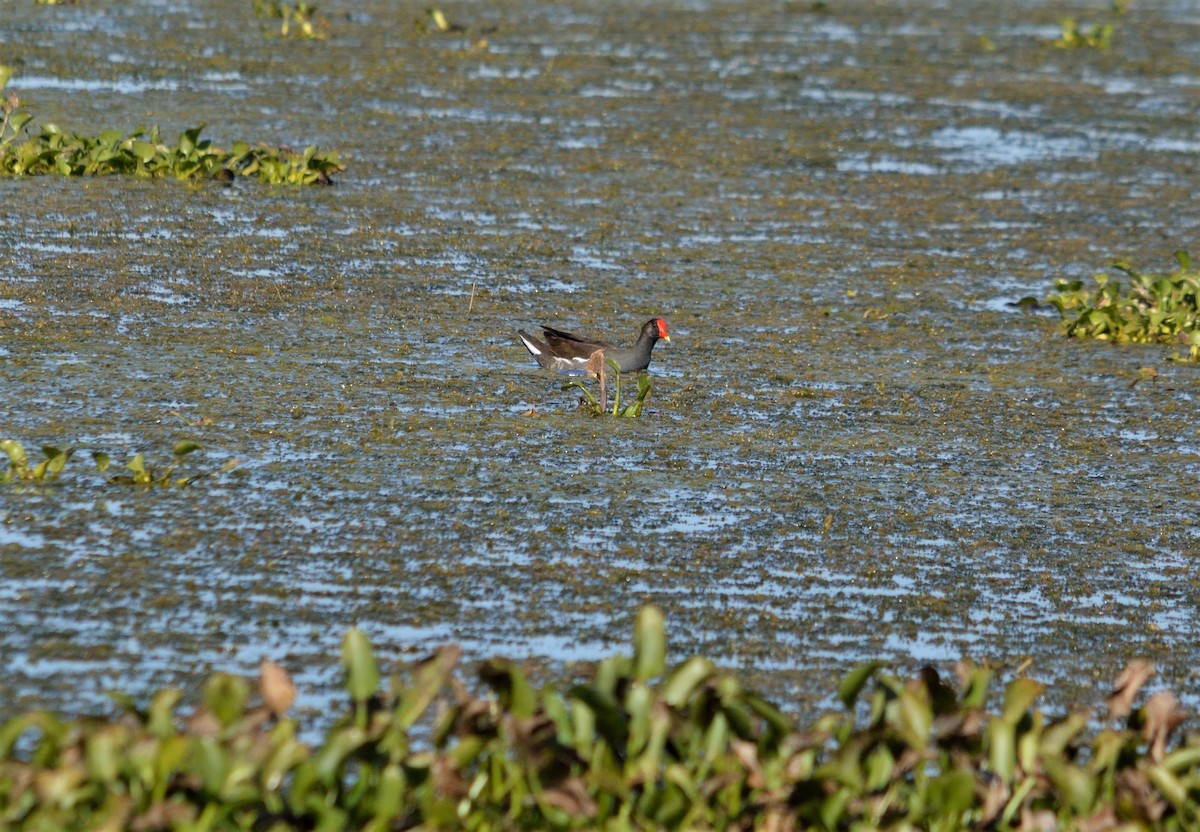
x=570, y=345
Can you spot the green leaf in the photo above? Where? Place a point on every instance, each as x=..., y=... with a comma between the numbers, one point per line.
x=186, y=447
x=389, y=794
x=19, y=120
x=774, y=717
x=362, y=674
x=1170, y=786
x=430, y=676
x=916, y=716
x=854, y=681
x=611, y=720
x=225, y=697
x=102, y=461
x=1018, y=697
x=1002, y=749
x=211, y=762
x=1058, y=735
x=833, y=808
x=1072, y=782
x=952, y=794
x=649, y=644
x=639, y=703
x=878, y=768
x=16, y=453
x=160, y=716
x=188, y=140
x=515, y=693
x=137, y=465
x=685, y=679
x=56, y=460
x=144, y=151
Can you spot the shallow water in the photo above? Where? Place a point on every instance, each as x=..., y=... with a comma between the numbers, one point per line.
x=855, y=449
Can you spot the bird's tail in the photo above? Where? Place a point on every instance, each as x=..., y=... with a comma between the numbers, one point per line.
x=539, y=350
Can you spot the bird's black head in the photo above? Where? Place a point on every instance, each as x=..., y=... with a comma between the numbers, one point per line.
x=656, y=328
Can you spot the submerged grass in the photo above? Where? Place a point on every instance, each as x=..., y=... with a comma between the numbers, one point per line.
x=634, y=747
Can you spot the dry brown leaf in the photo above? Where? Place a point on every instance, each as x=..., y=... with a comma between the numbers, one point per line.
x=994, y=799
x=1136, y=785
x=595, y=366
x=1040, y=820
x=1102, y=820
x=1125, y=689
x=572, y=797
x=204, y=724
x=163, y=815
x=747, y=754
x=275, y=685
x=447, y=782
x=1162, y=717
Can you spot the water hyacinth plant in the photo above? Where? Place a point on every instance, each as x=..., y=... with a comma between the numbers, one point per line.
x=20, y=469
x=635, y=746
x=142, y=474
x=297, y=19
x=598, y=367
x=1098, y=35
x=1156, y=308
x=146, y=154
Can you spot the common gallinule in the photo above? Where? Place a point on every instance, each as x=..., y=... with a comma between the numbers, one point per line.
x=565, y=351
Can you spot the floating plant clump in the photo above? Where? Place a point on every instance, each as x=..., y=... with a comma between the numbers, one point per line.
x=1156, y=308
x=20, y=469
x=54, y=151
x=638, y=745
x=297, y=20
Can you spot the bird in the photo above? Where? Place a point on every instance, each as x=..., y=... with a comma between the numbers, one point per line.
x=566, y=352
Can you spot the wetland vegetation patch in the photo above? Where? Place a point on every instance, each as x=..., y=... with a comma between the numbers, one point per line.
x=631, y=746
x=147, y=154
x=1155, y=308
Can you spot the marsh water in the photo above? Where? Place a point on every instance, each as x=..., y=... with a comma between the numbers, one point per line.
x=855, y=448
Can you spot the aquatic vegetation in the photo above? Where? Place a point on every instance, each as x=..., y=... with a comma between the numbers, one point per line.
x=142, y=474
x=297, y=18
x=1156, y=308
x=12, y=117
x=599, y=405
x=636, y=746
x=19, y=467
x=53, y=151
x=437, y=21
x=1099, y=36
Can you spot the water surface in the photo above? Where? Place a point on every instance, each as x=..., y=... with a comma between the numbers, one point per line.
x=855, y=447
